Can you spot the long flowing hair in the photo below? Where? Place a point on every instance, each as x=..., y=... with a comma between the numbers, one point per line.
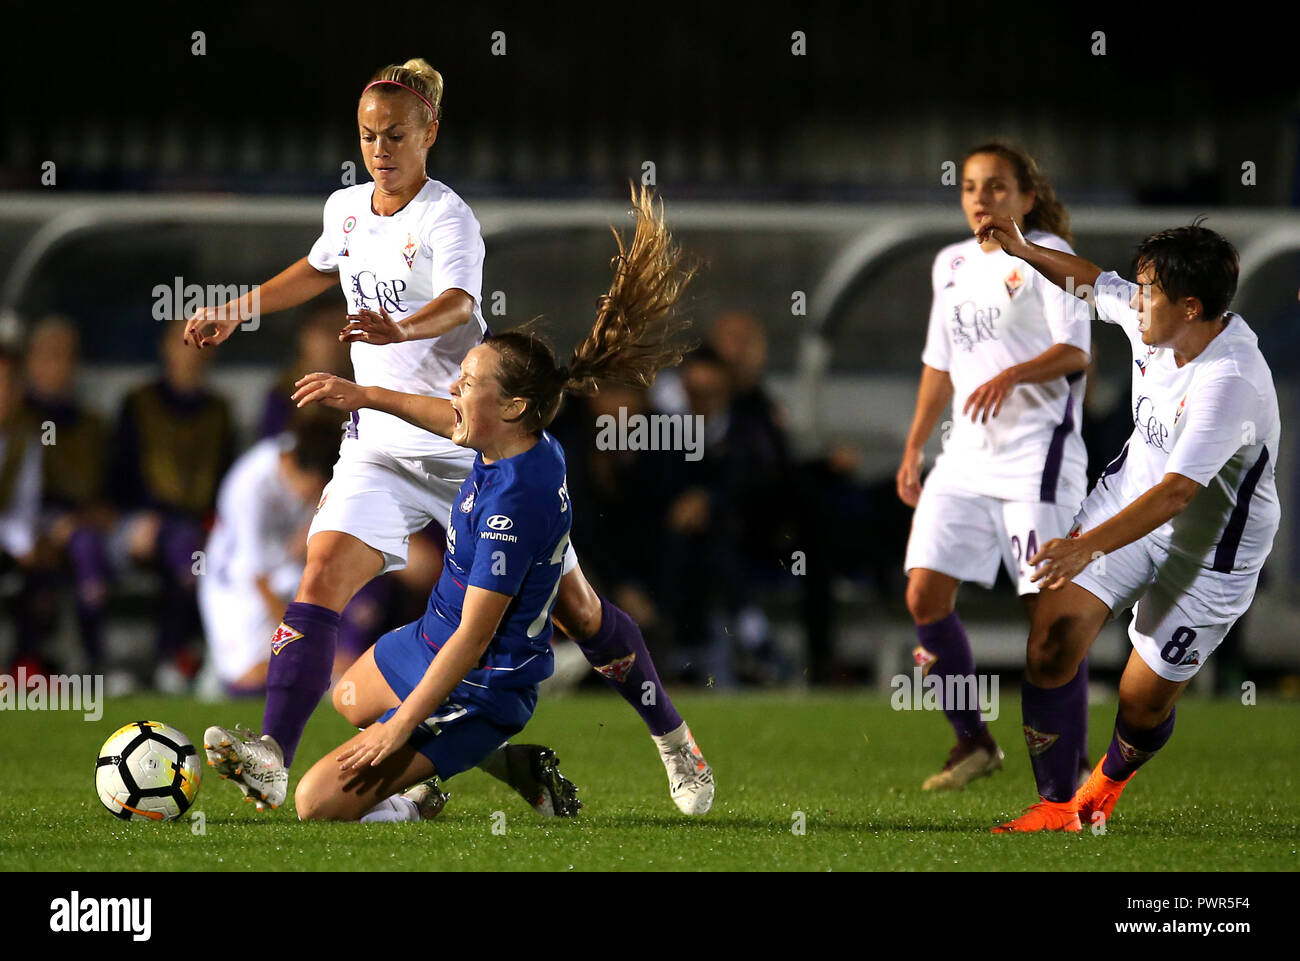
x=635, y=334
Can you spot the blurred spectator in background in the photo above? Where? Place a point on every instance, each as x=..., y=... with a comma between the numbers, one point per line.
x=256, y=553
x=20, y=504
x=769, y=484
x=705, y=569
x=319, y=348
x=617, y=524
x=175, y=440
x=75, y=516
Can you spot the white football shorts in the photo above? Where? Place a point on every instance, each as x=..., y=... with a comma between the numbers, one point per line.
x=382, y=500
x=1183, y=609
x=237, y=622
x=966, y=536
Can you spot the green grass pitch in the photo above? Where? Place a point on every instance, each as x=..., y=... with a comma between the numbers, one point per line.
x=1222, y=796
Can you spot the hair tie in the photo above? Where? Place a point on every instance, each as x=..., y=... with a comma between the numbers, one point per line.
x=404, y=87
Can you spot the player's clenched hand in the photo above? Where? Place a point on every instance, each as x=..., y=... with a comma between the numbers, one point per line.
x=986, y=400
x=375, y=743
x=1059, y=560
x=908, y=478
x=368, y=327
x=211, y=325
x=330, y=390
x=1005, y=231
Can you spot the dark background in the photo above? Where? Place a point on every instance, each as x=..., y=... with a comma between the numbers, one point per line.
x=711, y=93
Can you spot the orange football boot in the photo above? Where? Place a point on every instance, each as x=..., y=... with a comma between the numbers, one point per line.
x=1099, y=794
x=1044, y=816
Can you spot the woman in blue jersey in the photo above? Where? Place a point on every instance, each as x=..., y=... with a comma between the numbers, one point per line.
x=443, y=693
x=408, y=255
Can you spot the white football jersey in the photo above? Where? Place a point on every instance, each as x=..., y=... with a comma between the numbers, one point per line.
x=400, y=263
x=257, y=519
x=992, y=311
x=1215, y=420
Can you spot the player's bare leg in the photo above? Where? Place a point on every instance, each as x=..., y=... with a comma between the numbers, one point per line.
x=326, y=793
x=1066, y=622
x=1143, y=724
x=943, y=650
x=613, y=645
x=298, y=675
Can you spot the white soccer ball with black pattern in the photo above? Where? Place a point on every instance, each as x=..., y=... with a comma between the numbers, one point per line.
x=147, y=771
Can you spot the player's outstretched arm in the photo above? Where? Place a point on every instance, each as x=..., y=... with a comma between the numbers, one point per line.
x=433, y=414
x=480, y=617
x=445, y=312
x=1062, y=558
x=296, y=284
x=1070, y=272
x=932, y=397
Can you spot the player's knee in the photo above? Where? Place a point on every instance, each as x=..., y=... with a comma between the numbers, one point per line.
x=1047, y=655
x=1141, y=713
x=306, y=800
x=579, y=613
x=312, y=801
x=926, y=605
x=325, y=584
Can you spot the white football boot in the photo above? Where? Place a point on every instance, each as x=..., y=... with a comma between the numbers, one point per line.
x=254, y=763
x=428, y=797
x=690, y=779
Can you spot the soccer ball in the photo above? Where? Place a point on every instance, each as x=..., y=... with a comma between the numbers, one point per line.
x=147, y=771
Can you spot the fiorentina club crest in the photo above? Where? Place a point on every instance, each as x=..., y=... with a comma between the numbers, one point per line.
x=1013, y=282
x=1038, y=741
x=410, y=250
x=924, y=659
x=284, y=635
x=1130, y=753
x=617, y=670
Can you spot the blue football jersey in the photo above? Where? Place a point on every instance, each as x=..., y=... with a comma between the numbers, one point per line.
x=508, y=532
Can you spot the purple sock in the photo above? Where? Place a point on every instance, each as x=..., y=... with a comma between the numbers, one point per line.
x=1081, y=705
x=618, y=653
x=1054, y=732
x=1130, y=748
x=945, y=652
x=302, y=656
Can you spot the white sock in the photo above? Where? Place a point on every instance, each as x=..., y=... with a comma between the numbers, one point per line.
x=396, y=808
x=667, y=743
